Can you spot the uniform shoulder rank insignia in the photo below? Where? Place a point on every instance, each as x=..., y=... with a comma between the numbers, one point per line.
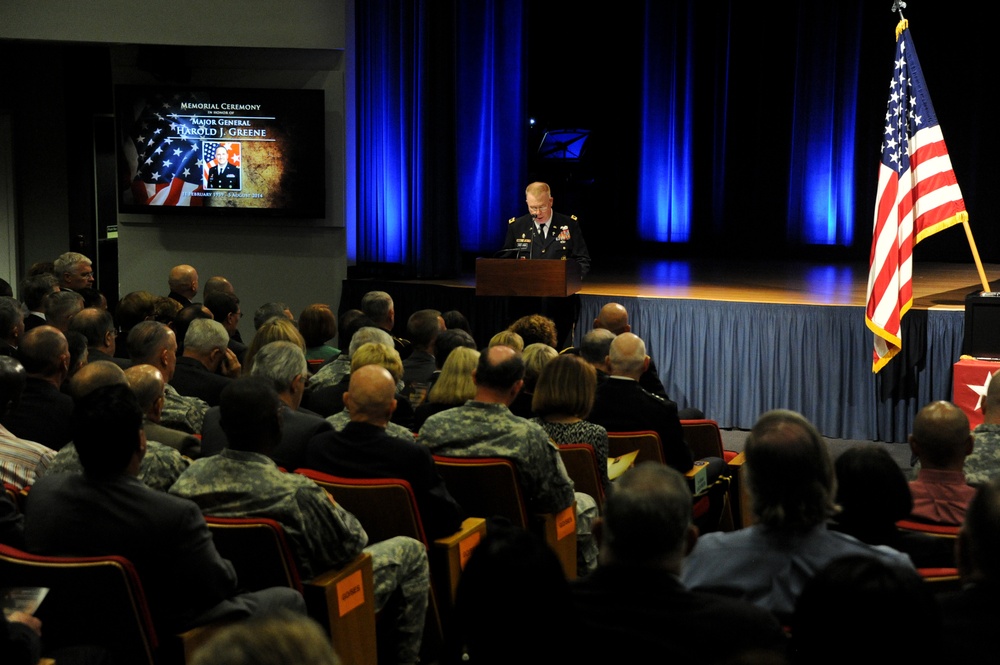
x=511, y=220
x=573, y=217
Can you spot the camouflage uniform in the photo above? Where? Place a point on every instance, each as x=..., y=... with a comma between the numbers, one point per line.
x=483, y=429
x=323, y=535
x=341, y=418
x=984, y=462
x=159, y=468
x=181, y=412
x=331, y=373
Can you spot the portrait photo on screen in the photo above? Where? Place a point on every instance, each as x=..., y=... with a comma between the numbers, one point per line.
x=221, y=150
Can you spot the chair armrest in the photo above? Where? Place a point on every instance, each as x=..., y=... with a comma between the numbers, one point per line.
x=449, y=555
x=343, y=602
x=559, y=531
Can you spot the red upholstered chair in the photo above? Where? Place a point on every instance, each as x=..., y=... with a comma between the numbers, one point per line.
x=705, y=439
x=581, y=465
x=342, y=600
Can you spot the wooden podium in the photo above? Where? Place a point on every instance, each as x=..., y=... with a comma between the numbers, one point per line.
x=524, y=277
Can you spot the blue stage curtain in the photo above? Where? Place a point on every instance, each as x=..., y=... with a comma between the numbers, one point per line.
x=736, y=360
x=440, y=131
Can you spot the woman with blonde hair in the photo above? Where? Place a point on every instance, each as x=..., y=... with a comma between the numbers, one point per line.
x=536, y=356
x=278, y=328
x=564, y=396
x=454, y=386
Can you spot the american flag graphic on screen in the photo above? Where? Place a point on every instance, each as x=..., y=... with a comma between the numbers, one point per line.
x=168, y=167
x=917, y=196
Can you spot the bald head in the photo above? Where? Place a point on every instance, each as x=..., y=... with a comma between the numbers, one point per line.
x=371, y=395
x=96, y=375
x=941, y=438
x=147, y=383
x=12, y=380
x=627, y=356
x=183, y=280
x=44, y=352
x=218, y=284
x=613, y=317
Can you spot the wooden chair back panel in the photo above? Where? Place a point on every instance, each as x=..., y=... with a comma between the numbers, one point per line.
x=581, y=465
x=703, y=438
x=646, y=442
x=91, y=600
x=258, y=550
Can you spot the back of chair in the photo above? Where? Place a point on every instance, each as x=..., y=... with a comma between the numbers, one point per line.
x=937, y=530
x=91, y=600
x=705, y=439
x=646, y=442
x=581, y=465
x=258, y=550
x=386, y=507
x=484, y=486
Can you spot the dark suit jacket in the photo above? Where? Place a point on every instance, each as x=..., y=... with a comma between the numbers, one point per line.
x=173, y=295
x=193, y=379
x=366, y=451
x=330, y=400
x=96, y=354
x=164, y=536
x=43, y=415
x=639, y=611
x=564, y=241
x=33, y=321
x=298, y=427
x=622, y=405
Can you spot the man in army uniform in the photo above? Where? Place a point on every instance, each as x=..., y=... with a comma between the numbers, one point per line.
x=242, y=481
x=153, y=343
x=485, y=427
x=160, y=465
x=223, y=174
x=544, y=234
x=984, y=461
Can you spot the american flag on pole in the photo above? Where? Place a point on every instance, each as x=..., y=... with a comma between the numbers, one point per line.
x=918, y=196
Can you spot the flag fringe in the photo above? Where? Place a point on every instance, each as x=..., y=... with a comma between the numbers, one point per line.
x=902, y=25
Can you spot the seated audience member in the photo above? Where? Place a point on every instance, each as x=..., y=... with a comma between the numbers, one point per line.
x=329, y=401
x=791, y=480
x=563, y=398
x=362, y=449
x=242, y=481
x=983, y=463
x=148, y=385
x=61, y=307
x=283, y=365
x=422, y=328
x=536, y=329
x=507, y=338
x=159, y=466
x=635, y=600
x=225, y=308
x=43, y=413
x=873, y=495
x=623, y=405
x=182, y=321
x=378, y=306
x=207, y=365
x=34, y=288
x=78, y=355
x=455, y=320
x=98, y=326
x=941, y=441
x=93, y=298
x=183, y=284
x=11, y=326
x=318, y=326
x=166, y=309
x=857, y=600
x=271, y=310
x=74, y=271
x=494, y=625
x=971, y=614
x=106, y=510
x=453, y=387
x=595, y=347
x=133, y=309
x=217, y=284
x=278, y=639
x=536, y=356
x=20, y=459
x=613, y=317
x=332, y=372
x=274, y=329
x=485, y=427
x=152, y=343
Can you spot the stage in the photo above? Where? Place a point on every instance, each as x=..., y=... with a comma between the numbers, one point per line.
x=736, y=339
